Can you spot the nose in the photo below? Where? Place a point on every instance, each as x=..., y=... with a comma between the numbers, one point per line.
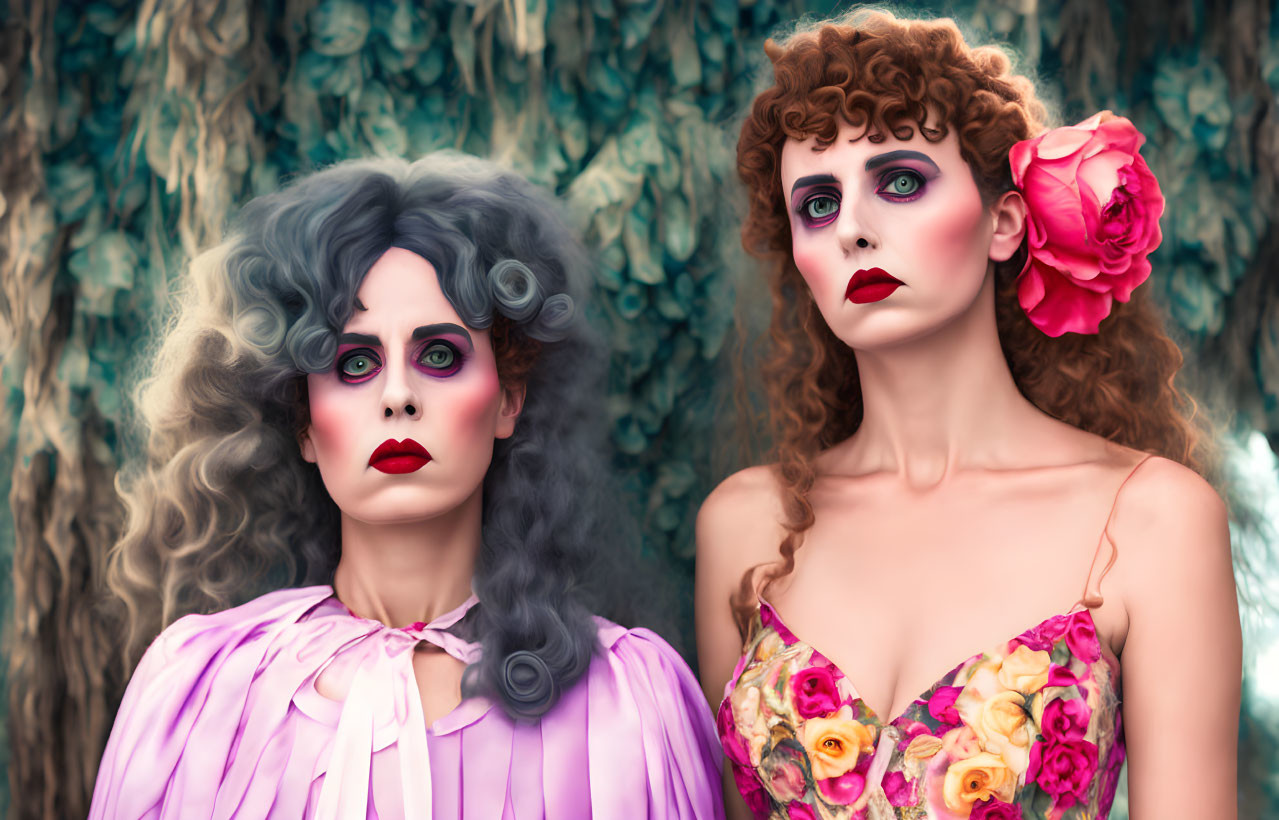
x=854, y=228
x=399, y=398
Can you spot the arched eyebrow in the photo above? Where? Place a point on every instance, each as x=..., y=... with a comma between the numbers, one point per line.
x=419, y=333
x=880, y=160
x=814, y=179
x=440, y=328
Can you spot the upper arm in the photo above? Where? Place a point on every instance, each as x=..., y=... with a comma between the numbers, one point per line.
x=738, y=527
x=1181, y=659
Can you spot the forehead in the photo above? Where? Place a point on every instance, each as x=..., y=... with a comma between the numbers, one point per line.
x=401, y=288
x=854, y=147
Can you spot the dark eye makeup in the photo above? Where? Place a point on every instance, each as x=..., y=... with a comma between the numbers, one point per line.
x=819, y=207
x=358, y=365
x=902, y=184
x=440, y=357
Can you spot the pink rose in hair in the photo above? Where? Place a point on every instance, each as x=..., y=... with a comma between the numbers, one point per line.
x=1093, y=210
x=814, y=692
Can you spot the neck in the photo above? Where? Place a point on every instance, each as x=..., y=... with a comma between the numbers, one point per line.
x=408, y=572
x=940, y=403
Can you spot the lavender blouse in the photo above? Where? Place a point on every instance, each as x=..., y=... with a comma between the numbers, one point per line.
x=223, y=719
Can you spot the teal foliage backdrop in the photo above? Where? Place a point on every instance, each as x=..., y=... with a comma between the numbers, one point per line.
x=132, y=129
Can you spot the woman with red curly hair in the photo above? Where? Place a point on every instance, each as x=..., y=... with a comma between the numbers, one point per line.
x=975, y=424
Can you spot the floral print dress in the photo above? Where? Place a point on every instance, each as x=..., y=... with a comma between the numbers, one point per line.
x=1029, y=729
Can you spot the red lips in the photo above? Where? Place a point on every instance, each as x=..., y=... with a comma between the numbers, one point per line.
x=870, y=286
x=398, y=457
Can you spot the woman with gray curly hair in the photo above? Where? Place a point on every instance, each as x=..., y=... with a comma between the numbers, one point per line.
x=379, y=385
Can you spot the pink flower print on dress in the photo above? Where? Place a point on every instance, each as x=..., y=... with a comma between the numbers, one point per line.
x=995, y=809
x=1041, y=638
x=1066, y=719
x=801, y=811
x=1081, y=637
x=768, y=618
x=815, y=692
x=1114, y=762
x=752, y=790
x=910, y=729
x=898, y=790
x=1061, y=676
x=942, y=704
x=1093, y=210
x=843, y=790
x=1063, y=769
x=734, y=742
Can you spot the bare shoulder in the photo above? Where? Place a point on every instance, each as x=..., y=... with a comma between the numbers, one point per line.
x=740, y=521
x=1171, y=525
x=1164, y=497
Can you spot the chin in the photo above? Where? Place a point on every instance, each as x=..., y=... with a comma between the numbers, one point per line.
x=875, y=333
x=894, y=326
x=406, y=505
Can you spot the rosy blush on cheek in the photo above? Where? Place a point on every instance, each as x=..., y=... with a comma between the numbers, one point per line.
x=956, y=229
x=473, y=405
x=333, y=417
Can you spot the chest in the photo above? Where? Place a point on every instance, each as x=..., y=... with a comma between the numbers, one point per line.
x=897, y=589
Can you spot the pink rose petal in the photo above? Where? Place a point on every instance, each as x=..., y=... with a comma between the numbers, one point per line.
x=1093, y=211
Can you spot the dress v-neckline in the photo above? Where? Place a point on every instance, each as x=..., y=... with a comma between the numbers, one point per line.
x=874, y=715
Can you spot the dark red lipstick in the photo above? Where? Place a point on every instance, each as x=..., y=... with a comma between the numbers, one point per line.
x=397, y=457
x=871, y=286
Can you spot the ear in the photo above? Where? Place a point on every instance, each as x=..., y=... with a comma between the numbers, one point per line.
x=1010, y=226
x=509, y=412
x=305, y=445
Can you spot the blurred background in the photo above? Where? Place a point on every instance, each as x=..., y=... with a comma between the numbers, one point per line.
x=130, y=130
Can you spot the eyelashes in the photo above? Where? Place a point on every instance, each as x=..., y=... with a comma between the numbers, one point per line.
x=821, y=206
x=440, y=357
x=901, y=184
x=360, y=365
x=437, y=357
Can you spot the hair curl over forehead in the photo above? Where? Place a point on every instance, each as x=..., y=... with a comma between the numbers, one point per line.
x=886, y=76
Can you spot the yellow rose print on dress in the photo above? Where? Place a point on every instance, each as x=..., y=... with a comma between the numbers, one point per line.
x=834, y=745
x=1025, y=670
x=1029, y=730
x=982, y=777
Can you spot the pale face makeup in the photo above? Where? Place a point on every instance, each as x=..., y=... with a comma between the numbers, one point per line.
x=891, y=237
x=403, y=425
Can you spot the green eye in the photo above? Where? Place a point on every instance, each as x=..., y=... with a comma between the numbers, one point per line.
x=438, y=356
x=358, y=366
x=820, y=207
x=903, y=184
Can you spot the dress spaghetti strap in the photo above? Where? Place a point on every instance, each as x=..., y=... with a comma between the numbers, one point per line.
x=1092, y=589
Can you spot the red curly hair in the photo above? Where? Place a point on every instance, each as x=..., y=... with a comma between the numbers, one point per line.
x=890, y=76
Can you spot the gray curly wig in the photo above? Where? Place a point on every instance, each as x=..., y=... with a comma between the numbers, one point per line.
x=224, y=505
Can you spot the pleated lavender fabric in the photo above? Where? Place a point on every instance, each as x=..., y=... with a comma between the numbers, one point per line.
x=223, y=719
